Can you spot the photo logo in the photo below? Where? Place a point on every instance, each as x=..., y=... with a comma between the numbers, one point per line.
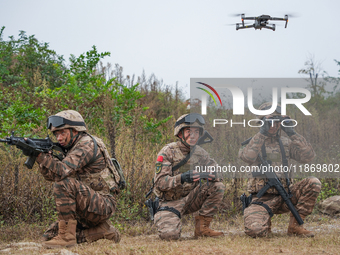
x=204, y=98
x=238, y=100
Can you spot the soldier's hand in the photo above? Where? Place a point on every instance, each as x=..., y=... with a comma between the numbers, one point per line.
x=288, y=129
x=190, y=176
x=211, y=176
x=264, y=130
x=31, y=151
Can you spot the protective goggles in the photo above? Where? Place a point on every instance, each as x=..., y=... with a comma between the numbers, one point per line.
x=191, y=119
x=57, y=121
x=286, y=120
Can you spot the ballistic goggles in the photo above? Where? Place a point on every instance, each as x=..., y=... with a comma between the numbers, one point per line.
x=57, y=122
x=191, y=119
x=286, y=119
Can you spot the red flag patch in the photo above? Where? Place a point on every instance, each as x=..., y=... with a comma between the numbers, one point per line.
x=160, y=159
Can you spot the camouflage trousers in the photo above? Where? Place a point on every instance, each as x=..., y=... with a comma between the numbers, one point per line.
x=76, y=201
x=205, y=199
x=304, y=194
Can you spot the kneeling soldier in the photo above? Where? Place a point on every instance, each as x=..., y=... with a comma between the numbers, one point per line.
x=181, y=190
x=85, y=184
x=267, y=145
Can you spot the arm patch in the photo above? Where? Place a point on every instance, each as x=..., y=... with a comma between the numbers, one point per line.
x=158, y=167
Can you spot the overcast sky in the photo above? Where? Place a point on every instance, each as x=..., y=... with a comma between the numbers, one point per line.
x=179, y=40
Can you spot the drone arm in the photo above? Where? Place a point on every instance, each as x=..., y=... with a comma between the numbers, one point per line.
x=272, y=18
x=243, y=27
x=270, y=27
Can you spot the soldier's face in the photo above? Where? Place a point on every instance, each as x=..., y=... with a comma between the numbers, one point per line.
x=191, y=135
x=63, y=136
x=274, y=127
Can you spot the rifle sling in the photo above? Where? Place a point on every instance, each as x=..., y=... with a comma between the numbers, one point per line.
x=184, y=161
x=284, y=162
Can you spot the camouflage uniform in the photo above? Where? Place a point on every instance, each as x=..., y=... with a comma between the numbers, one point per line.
x=304, y=193
x=187, y=197
x=84, y=188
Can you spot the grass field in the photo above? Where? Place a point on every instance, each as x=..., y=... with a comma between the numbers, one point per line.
x=142, y=239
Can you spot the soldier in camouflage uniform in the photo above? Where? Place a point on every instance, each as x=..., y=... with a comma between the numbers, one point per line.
x=257, y=221
x=85, y=184
x=179, y=189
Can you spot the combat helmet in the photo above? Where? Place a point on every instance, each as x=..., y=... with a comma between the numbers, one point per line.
x=66, y=119
x=267, y=106
x=189, y=120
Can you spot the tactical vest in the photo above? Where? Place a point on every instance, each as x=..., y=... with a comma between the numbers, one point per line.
x=274, y=154
x=181, y=190
x=107, y=181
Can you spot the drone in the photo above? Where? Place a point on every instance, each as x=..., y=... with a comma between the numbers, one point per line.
x=260, y=22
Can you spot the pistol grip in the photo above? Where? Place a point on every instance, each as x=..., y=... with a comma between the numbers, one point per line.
x=30, y=162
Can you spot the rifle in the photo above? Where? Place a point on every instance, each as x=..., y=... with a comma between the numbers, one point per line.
x=152, y=206
x=42, y=145
x=273, y=181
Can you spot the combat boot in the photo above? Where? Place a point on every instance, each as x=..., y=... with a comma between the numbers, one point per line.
x=202, y=227
x=295, y=229
x=66, y=235
x=104, y=230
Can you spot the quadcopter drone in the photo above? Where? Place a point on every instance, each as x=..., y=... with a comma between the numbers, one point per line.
x=260, y=22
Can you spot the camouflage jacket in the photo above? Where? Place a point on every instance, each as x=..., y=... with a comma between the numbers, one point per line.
x=100, y=175
x=168, y=184
x=296, y=147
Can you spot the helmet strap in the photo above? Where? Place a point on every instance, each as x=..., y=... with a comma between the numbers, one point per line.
x=183, y=139
x=73, y=138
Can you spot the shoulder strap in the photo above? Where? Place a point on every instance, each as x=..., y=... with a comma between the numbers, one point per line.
x=174, y=168
x=95, y=150
x=185, y=160
x=285, y=164
x=284, y=160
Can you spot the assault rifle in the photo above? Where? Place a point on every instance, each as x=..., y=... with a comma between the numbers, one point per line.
x=42, y=145
x=273, y=181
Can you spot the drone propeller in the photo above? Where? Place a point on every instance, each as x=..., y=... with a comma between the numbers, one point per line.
x=233, y=24
x=292, y=15
x=236, y=15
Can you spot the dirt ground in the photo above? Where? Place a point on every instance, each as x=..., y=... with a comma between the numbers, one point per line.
x=327, y=241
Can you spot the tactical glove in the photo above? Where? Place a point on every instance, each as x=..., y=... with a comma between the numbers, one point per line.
x=288, y=129
x=207, y=175
x=187, y=177
x=265, y=127
x=32, y=151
